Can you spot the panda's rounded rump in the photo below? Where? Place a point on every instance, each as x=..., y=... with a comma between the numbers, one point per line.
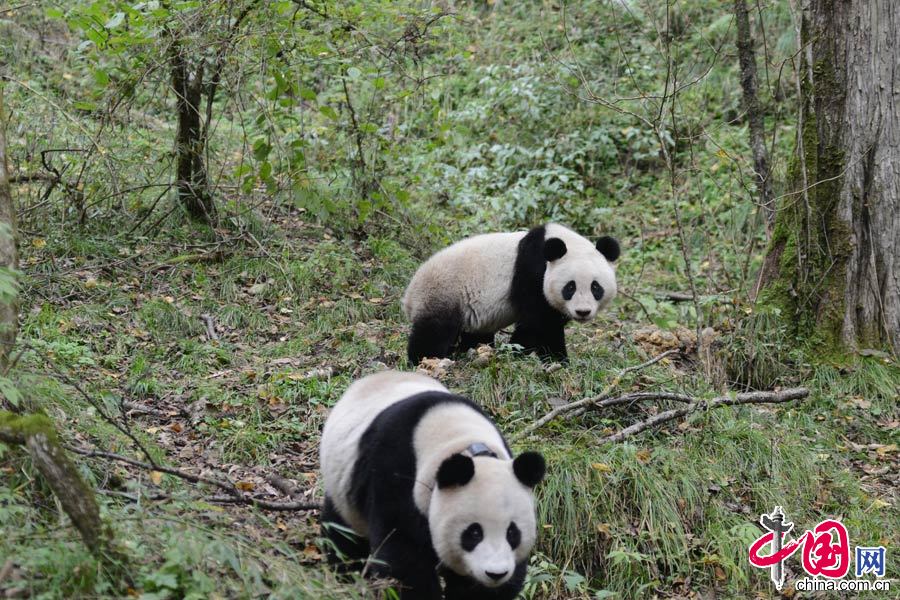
x=476, y=270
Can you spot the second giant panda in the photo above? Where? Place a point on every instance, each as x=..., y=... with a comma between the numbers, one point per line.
x=429, y=486
x=539, y=280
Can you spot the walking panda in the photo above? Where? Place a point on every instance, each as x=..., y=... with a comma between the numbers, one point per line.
x=429, y=485
x=539, y=280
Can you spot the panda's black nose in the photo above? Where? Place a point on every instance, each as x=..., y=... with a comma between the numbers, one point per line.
x=496, y=576
x=582, y=313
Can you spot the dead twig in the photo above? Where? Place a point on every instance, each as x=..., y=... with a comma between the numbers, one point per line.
x=670, y=415
x=234, y=495
x=7, y=569
x=566, y=408
x=210, y=327
x=123, y=427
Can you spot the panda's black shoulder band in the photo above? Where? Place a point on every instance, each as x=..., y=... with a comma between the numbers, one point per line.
x=479, y=449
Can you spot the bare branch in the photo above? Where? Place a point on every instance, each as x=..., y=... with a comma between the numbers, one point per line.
x=745, y=398
x=593, y=399
x=235, y=496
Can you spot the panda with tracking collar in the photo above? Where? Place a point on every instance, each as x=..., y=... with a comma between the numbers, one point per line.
x=429, y=486
x=539, y=280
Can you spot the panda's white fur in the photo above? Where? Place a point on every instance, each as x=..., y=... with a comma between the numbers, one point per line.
x=438, y=429
x=346, y=423
x=487, y=282
x=473, y=275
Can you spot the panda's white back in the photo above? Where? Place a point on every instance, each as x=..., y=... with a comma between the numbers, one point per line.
x=472, y=276
x=347, y=422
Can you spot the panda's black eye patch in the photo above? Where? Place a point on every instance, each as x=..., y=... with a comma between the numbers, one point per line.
x=596, y=290
x=568, y=290
x=513, y=536
x=471, y=537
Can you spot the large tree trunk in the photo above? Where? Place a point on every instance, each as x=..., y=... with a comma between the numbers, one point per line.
x=834, y=260
x=9, y=259
x=190, y=170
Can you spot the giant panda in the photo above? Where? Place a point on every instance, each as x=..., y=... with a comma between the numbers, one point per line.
x=539, y=280
x=428, y=486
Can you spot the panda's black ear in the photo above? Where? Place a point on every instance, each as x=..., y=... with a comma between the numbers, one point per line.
x=554, y=249
x=529, y=468
x=456, y=470
x=609, y=248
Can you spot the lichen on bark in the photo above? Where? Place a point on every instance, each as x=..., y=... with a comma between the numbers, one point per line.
x=36, y=433
x=831, y=267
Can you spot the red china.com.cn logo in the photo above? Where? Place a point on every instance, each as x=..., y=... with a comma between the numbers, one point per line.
x=825, y=554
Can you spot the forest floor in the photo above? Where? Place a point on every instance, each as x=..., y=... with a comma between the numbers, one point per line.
x=223, y=354
x=222, y=350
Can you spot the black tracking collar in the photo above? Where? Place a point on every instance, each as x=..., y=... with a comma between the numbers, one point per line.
x=479, y=449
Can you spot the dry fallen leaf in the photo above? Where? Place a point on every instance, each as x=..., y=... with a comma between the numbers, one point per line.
x=601, y=467
x=156, y=477
x=312, y=553
x=882, y=451
x=643, y=456
x=245, y=486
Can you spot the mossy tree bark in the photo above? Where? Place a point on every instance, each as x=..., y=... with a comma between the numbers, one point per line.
x=37, y=434
x=9, y=258
x=833, y=264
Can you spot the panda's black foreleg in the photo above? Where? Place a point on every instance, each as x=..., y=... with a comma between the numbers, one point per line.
x=548, y=340
x=464, y=588
x=432, y=337
x=344, y=548
x=400, y=558
x=473, y=340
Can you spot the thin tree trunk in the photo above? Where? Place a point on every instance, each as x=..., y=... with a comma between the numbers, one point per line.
x=190, y=170
x=834, y=259
x=747, y=58
x=37, y=434
x=9, y=259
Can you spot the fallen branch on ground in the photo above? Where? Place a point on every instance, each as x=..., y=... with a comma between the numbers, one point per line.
x=234, y=495
x=601, y=397
x=602, y=400
x=745, y=398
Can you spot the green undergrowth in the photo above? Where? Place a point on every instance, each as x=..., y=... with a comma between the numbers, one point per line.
x=303, y=295
x=670, y=510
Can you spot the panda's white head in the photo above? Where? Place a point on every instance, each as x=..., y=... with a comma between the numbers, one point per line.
x=481, y=514
x=579, y=278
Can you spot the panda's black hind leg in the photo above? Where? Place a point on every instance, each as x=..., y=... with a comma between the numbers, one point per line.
x=473, y=340
x=344, y=549
x=432, y=337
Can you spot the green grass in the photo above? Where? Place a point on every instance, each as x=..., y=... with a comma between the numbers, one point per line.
x=666, y=511
x=304, y=305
